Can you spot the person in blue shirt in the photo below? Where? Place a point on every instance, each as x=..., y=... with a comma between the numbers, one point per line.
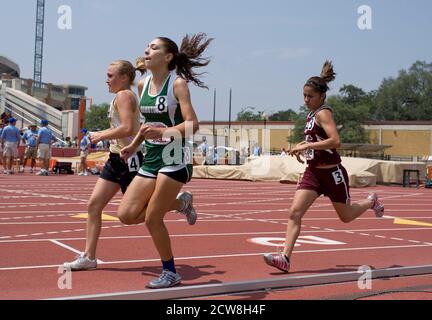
x=11, y=138
x=84, y=151
x=30, y=139
x=2, y=125
x=44, y=141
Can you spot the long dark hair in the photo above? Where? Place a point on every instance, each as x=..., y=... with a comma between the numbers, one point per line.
x=189, y=56
x=320, y=84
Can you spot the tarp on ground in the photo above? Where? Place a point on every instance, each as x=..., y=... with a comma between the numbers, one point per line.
x=362, y=172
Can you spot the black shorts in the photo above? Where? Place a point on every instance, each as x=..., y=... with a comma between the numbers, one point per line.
x=118, y=171
x=183, y=174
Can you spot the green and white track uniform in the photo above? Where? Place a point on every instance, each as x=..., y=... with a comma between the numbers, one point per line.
x=165, y=155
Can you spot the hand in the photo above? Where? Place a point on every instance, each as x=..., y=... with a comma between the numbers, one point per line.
x=95, y=137
x=299, y=159
x=299, y=148
x=126, y=152
x=151, y=132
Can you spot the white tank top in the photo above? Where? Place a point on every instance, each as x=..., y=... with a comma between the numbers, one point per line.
x=114, y=117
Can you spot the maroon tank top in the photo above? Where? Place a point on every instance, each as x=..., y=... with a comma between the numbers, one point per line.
x=314, y=133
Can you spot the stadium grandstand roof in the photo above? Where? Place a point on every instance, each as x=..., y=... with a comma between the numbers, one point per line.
x=9, y=67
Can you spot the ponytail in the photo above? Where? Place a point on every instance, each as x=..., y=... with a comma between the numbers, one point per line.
x=140, y=65
x=189, y=56
x=320, y=83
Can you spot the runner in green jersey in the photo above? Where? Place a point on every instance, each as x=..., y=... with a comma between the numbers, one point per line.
x=170, y=121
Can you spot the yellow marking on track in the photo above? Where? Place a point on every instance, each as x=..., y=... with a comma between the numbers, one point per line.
x=105, y=217
x=411, y=222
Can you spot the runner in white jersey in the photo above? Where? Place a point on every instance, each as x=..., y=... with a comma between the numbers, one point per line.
x=117, y=174
x=166, y=105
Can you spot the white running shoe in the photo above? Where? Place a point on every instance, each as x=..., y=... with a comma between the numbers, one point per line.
x=81, y=263
x=188, y=209
x=377, y=206
x=43, y=172
x=278, y=261
x=166, y=279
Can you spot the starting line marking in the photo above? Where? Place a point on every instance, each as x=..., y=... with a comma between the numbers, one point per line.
x=188, y=292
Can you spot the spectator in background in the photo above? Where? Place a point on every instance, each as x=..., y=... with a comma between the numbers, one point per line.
x=11, y=139
x=84, y=151
x=44, y=142
x=283, y=153
x=5, y=116
x=75, y=142
x=30, y=139
x=204, y=149
x=68, y=142
x=2, y=125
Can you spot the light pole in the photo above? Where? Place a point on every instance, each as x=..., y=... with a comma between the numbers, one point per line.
x=264, y=117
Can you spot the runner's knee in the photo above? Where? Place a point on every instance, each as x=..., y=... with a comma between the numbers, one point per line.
x=295, y=215
x=153, y=222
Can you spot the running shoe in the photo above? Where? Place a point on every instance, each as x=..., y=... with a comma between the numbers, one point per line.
x=188, y=209
x=278, y=261
x=21, y=170
x=166, y=279
x=81, y=262
x=378, y=207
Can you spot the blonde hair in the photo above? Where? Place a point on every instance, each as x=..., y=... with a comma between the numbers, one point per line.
x=124, y=67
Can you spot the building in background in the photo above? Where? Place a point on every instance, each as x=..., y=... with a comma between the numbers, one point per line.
x=62, y=97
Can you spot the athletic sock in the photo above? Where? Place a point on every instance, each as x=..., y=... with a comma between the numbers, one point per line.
x=169, y=265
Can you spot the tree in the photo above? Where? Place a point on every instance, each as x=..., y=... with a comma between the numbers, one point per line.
x=97, y=118
x=247, y=114
x=406, y=97
x=300, y=122
x=284, y=115
x=351, y=110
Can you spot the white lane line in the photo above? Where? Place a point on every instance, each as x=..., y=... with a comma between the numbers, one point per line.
x=236, y=255
x=70, y=248
x=65, y=246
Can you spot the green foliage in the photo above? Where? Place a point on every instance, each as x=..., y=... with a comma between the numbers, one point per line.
x=97, y=118
x=407, y=97
x=299, y=124
x=248, y=114
x=351, y=110
x=284, y=115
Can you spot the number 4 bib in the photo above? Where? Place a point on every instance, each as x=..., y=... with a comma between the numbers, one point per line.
x=133, y=163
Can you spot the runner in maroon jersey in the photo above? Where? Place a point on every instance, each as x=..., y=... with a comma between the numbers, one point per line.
x=324, y=174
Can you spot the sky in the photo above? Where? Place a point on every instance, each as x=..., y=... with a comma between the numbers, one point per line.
x=264, y=50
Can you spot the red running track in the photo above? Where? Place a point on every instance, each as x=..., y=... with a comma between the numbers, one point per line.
x=238, y=222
